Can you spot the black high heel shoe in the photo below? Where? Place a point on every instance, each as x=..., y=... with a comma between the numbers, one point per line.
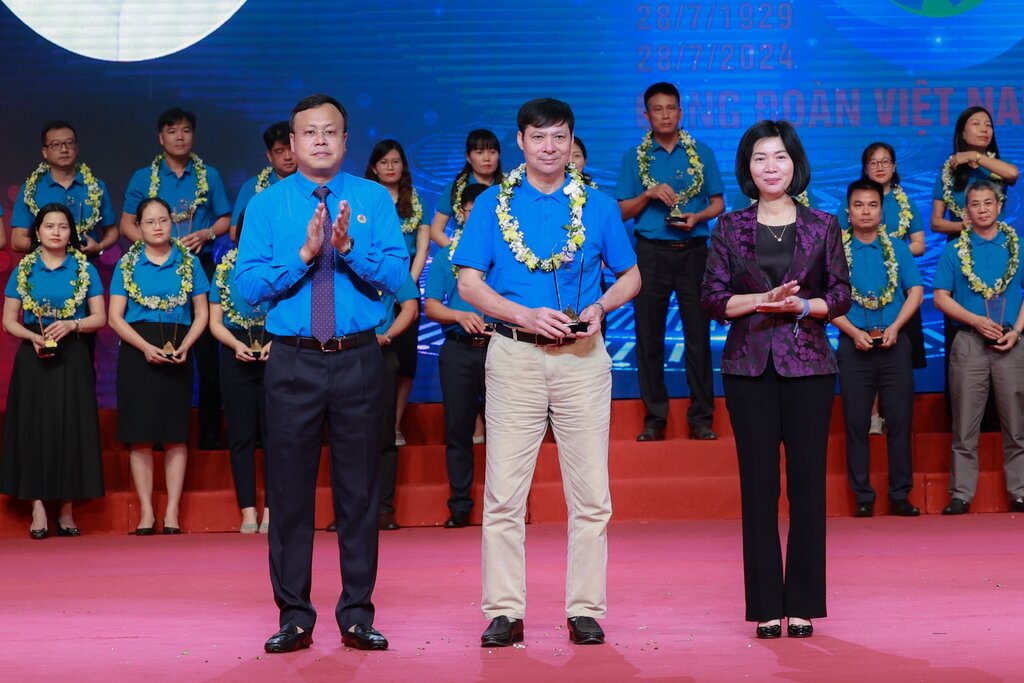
x=769, y=631
x=38, y=534
x=68, y=530
x=800, y=630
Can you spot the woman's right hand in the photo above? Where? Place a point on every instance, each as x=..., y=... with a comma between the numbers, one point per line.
x=862, y=340
x=775, y=299
x=243, y=353
x=155, y=355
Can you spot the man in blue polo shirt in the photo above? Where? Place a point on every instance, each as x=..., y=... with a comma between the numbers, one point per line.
x=874, y=352
x=201, y=213
x=61, y=179
x=671, y=187
x=978, y=285
x=317, y=247
x=539, y=239
x=282, y=165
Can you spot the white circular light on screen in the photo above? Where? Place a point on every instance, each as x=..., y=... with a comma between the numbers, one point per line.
x=124, y=30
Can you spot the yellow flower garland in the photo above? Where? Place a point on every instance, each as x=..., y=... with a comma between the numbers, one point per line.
x=891, y=271
x=949, y=200
x=154, y=303
x=964, y=251
x=263, y=179
x=220, y=278
x=695, y=171
x=202, y=186
x=460, y=186
x=70, y=305
x=413, y=222
x=93, y=196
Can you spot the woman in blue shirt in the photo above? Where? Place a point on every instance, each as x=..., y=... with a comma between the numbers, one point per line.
x=241, y=330
x=483, y=165
x=52, y=439
x=158, y=308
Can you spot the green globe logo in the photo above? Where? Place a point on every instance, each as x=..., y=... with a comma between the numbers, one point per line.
x=938, y=9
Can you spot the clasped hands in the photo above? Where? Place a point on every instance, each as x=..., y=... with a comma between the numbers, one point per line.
x=555, y=324
x=340, y=238
x=56, y=331
x=667, y=196
x=990, y=329
x=781, y=299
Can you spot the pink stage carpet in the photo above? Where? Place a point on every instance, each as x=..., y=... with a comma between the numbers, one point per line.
x=927, y=599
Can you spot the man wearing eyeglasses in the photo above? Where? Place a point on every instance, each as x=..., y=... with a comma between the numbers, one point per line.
x=61, y=179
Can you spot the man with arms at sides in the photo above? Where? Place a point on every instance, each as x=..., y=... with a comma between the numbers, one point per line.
x=539, y=239
x=282, y=165
x=61, y=179
x=671, y=187
x=200, y=213
x=318, y=246
x=978, y=284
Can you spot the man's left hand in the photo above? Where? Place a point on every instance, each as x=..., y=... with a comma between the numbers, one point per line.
x=689, y=218
x=592, y=316
x=91, y=247
x=339, y=236
x=1007, y=341
x=194, y=241
x=890, y=336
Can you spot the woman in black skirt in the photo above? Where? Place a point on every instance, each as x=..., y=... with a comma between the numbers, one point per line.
x=244, y=350
x=158, y=308
x=52, y=438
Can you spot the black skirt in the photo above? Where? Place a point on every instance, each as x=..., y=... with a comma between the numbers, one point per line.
x=52, y=445
x=154, y=401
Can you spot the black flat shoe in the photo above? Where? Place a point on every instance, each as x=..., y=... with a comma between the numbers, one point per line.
x=364, y=637
x=650, y=434
x=864, y=510
x=288, y=639
x=386, y=521
x=68, y=531
x=585, y=631
x=38, y=534
x=703, y=434
x=1017, y=505
x=769, y=632
x=800, y=630
x=903, y=508
x=456, y=522
x=171, y=531
x=956, y=507
x=144, y=531
x=502, y=632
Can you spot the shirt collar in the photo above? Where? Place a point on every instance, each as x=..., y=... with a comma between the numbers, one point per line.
x=172, y=260
x=528, y=192
x=63, y=264
x=166, y=170
x=873, y=244
x=998, y=240
x=306, y=186
x=53, y=183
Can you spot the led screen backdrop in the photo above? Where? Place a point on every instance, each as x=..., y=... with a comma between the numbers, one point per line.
x=846, y=72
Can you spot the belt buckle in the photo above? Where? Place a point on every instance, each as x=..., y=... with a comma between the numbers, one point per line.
x=325, y=346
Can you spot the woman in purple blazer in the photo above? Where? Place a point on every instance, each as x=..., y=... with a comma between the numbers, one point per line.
x=777, y=273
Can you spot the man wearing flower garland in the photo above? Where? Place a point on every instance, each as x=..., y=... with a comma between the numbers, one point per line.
x=282, y=165
x=201, y=213
x=978, y=284
x=671, y=187
x=61, y=179
x=874, y=352
x=542, y=365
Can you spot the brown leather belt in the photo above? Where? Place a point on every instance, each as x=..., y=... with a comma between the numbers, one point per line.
x=516, y=334
x=349, y=341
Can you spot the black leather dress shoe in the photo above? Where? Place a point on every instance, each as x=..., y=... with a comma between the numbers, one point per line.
x=769, y=631
x=364, y=637
x=800, y=630
x=144, y=531
x=585, y=631
x=288, y=639
x=864, y=510
x=386, y=521
x=68, y=531
x=1017, y=505
x=903, y=508
x=703, y=434
x=457, y=522
x=956, y=506
x=502, y=632
x=38, y=534
x=651, y=434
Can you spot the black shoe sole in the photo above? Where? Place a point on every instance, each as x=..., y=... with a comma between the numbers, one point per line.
x=297, y=644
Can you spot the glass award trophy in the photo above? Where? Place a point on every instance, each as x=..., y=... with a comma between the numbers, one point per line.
x=575, y=324
x=49, y=347
x=995, y=310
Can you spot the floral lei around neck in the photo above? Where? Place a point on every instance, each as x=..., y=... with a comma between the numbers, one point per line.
x=220, y=278
x=154, y=303
x=947, y=188
x=451, y=250
x=906, y=214
x=263, y=179
x=413, y=222
x=202, y=186
x=508, y=224
x=696, y=169
x=460, y=186
x=964, y=251
x=891, y=271
x=93, y=196
x=68, y=308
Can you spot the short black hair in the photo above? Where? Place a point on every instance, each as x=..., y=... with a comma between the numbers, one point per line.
x=172, y=116
x=865, y=157
x=795, y=149
x=314, y=101
x=981, y=186
x=146, y=202
x=579, y=143
x=544, y=112
x=865, y=184
x=55, y=207
x=277, y=132
x=662, y=88
x=471, y=192
x=56, y=125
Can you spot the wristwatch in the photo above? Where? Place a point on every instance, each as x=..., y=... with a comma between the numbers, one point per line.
x=387, y=337
x=351, y=243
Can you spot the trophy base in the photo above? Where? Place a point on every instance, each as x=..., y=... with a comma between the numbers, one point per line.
x=168, y=356
x=677, y=223
x=47, y=351
x=993, y=342
x=256, y=354
x=579, y=326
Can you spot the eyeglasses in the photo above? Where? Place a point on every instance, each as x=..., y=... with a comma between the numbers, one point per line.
x=880, y=163
x=62, y=144
x=330, y=134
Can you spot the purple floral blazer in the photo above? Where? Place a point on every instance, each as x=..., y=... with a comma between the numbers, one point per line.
x=798, y=348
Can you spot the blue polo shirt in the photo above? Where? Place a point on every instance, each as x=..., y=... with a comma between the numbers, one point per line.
x=246, y=193
x=443, y=286
x=49, y=191
x=56, y=286
x=241, y=305
x=180, y=193
x=868, y=274
x=990, y=258
x=159, y=280
x=672, y=169
x=542, y=218
x=975, y=175
x=407, y=292
x=890, y=216
x=269, y=268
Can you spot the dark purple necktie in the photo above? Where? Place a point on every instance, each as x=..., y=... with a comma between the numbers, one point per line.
x=323, y=278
